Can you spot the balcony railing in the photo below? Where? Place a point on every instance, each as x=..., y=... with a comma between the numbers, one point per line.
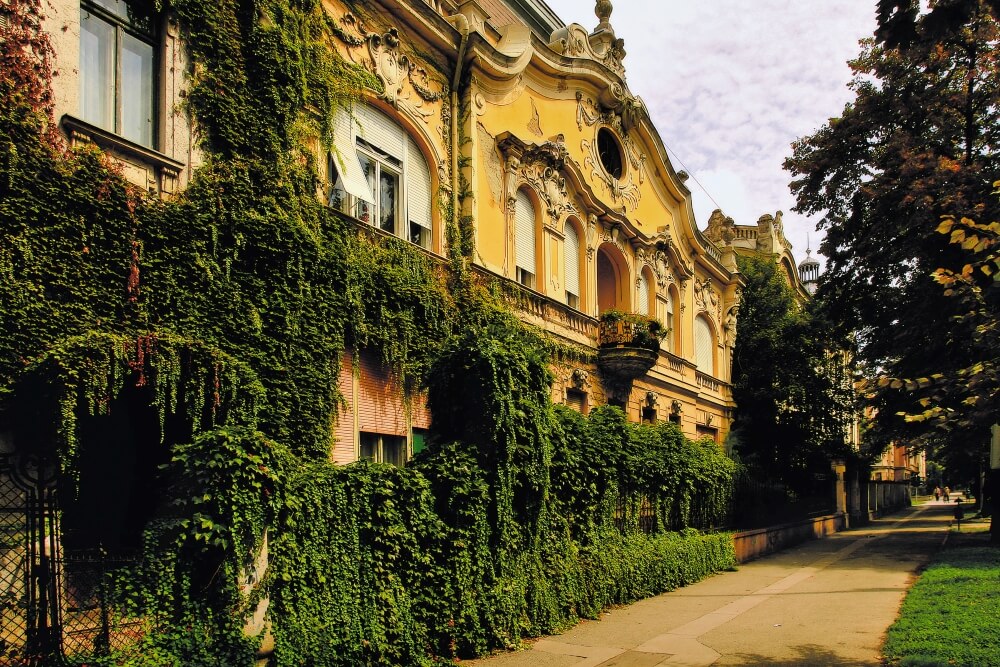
x=618, y=329
x=708, y=382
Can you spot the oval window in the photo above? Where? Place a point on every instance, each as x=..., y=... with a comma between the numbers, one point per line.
x=610, y=152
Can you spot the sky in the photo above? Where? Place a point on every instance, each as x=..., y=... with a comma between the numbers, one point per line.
x=730, y=84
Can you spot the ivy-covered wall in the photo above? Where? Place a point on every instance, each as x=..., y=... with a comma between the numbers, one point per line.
x=206, y=332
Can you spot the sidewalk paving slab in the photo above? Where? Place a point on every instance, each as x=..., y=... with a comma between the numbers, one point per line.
x=824, y=602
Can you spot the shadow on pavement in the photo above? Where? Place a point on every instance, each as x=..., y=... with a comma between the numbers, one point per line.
x=807, y=655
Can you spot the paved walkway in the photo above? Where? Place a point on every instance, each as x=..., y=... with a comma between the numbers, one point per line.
x=826, y=602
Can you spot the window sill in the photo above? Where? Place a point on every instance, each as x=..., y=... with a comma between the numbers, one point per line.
x=166, y=167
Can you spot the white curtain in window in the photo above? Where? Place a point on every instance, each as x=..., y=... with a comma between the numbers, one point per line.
x=703, y=344
x=418, y=186
x=643, y=306
x=571, y=248
x=137, y=90
x=97, y=71
x=524, y=232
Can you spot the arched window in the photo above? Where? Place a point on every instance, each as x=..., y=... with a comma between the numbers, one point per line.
x=670, y=324
x=571, y=251
x=704, y=346
x=644, y=303
x=384, y=180
x=524, y=239
x=612, y=279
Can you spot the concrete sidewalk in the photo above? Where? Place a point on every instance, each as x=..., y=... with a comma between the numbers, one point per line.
x=826, y=602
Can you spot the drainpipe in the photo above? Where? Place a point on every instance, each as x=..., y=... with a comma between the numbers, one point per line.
x=461, y=23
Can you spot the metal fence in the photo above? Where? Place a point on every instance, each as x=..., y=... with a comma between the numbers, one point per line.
x=56, y=607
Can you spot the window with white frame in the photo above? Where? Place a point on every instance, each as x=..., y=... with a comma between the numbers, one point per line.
x=382, y=448
x=118, y=40
x=704, y=342
x=524, y=239
x=571, y=250
x=379, y=175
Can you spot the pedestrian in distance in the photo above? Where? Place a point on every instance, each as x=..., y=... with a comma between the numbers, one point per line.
x=959, y=513
x=937, y=493
x=947, y=494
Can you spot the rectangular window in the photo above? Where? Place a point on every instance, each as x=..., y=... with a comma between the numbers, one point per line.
x=525, y=277
x=137, y=90
x=420, y=235
x=117, y=68
x=388, y=189
x=576, y=400
x=382, y=448
x=419, y=440
x=572, y=300
x=708, y=432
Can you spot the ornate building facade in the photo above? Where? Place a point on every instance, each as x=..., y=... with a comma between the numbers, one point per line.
x=493, y=112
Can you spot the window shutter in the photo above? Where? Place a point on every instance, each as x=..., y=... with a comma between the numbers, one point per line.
x=418, y=186
x=643, y=306
x=524, y=232
x=672, y=335
x=343, y=448
x=380, y=399
x=380, y=131
x=571, y=249
x=352, y=176
x=703, y=344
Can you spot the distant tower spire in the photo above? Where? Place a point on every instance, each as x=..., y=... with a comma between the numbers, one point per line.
x=809, y=269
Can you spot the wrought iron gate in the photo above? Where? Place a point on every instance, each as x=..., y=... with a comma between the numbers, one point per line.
x=54, y=603
x=29, y=599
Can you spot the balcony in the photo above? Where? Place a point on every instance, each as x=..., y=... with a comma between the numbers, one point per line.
x=629, y=346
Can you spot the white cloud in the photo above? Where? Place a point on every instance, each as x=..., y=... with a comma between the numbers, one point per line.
x=729, y=88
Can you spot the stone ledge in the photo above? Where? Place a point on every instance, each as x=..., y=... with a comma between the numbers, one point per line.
x=751, y=544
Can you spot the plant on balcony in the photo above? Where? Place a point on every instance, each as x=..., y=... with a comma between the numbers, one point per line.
x=634, y=330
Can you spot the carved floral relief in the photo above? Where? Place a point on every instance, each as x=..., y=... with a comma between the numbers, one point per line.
x=406, y=85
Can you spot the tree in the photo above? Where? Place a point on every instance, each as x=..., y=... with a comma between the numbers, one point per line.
x=919, y=142
x=792, y=416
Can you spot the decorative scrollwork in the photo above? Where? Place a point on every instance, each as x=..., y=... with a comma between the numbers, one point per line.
x=406, y=85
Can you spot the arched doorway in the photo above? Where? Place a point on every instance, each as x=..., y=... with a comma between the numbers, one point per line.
x=612, y=280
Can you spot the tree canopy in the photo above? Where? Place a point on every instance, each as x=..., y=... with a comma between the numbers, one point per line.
x=918, y=142
x=793, y=416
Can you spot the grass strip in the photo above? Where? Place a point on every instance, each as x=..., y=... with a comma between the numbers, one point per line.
x=951, y=615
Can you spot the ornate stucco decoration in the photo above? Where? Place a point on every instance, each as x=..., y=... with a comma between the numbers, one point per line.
x=591, y=114
x=592, y=228
x=668, y=253
x=729, y=327
x=406, y=85
x=534, y=125
x=721, y=228
x=540, y=166
x=706, y=298
x=616, y=237
x=771, y=234
x=657, y=261
x=579, y=378
x=574, y=42
x=394, y=69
